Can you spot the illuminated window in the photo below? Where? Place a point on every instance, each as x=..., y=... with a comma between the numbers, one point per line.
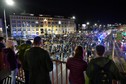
x=28, y=22
x=37, y=29
x=41, y=22
x=19, y=29
x=37, y=33
x=14, y=34
x=32, y=29
x=13, y=21
x=13, y=29
x=13, y=25
x=18, y=25
x=28, y=29
x=24, y=29
x=41, y=25
x=32, y=21
x=49, y=22
x=49, y=25
x=18, y=21
x=37, y=25
x=32, y=25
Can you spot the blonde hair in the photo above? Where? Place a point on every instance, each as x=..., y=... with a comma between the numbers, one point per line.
x=9, y=43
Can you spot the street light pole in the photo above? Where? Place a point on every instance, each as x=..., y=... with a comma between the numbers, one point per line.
x=10, y=3
x=5, y=24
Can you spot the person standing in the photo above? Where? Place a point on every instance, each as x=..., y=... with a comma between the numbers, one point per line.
x=12, y=60
x=77, y=66
x=102, y=70
x=2, y=40
x=38, y=62
x=2, y=46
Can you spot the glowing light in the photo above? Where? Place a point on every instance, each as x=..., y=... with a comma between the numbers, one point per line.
x=45, y=20
x=73, y=17
x=95, y=24
x=87, y=23
x=36, y=22
x=9, y=2
x=84, y=25
x=59, y=22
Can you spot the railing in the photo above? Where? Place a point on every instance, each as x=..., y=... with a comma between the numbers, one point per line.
x=59, y=75
x=8, y=81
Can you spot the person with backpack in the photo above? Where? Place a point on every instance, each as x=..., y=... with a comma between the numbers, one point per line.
x=20, y=53
x=102, y=70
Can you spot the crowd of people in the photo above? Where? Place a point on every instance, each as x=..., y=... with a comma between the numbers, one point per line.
x=36, y=60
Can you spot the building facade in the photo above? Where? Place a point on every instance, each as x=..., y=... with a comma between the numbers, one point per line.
x=29, y=26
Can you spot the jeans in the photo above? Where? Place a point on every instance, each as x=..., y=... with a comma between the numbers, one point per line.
x=13, y=76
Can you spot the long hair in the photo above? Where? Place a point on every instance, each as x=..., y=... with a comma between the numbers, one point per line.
x=79, y=52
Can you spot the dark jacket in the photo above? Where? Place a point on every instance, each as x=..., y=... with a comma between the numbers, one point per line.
x=37, y=61
x=101, y=61
x=11, y=57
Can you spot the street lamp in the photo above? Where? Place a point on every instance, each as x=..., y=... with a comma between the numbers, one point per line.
x=87, y=23
x=95, y=24
x=10, y=3
x=74, y=17
x=59, y=23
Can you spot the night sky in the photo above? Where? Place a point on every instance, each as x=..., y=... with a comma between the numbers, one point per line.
x=102, y=11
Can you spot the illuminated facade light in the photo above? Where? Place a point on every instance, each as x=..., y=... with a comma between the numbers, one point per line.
x=36, y=22
x=59, y=22
x=83, y=25
x=31, y=14
x=29, y=27
x=40, y=15
x=45, y=20
x=73, y=17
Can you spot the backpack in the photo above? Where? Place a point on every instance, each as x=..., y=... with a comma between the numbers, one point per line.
x=102, y=75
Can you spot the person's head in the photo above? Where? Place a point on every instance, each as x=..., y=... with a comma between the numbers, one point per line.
x=79, y=52
x=100, y=49
x=10, y=44
x=2, y=46
x=37, y=41
x=28, y=42
x=2, y=40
